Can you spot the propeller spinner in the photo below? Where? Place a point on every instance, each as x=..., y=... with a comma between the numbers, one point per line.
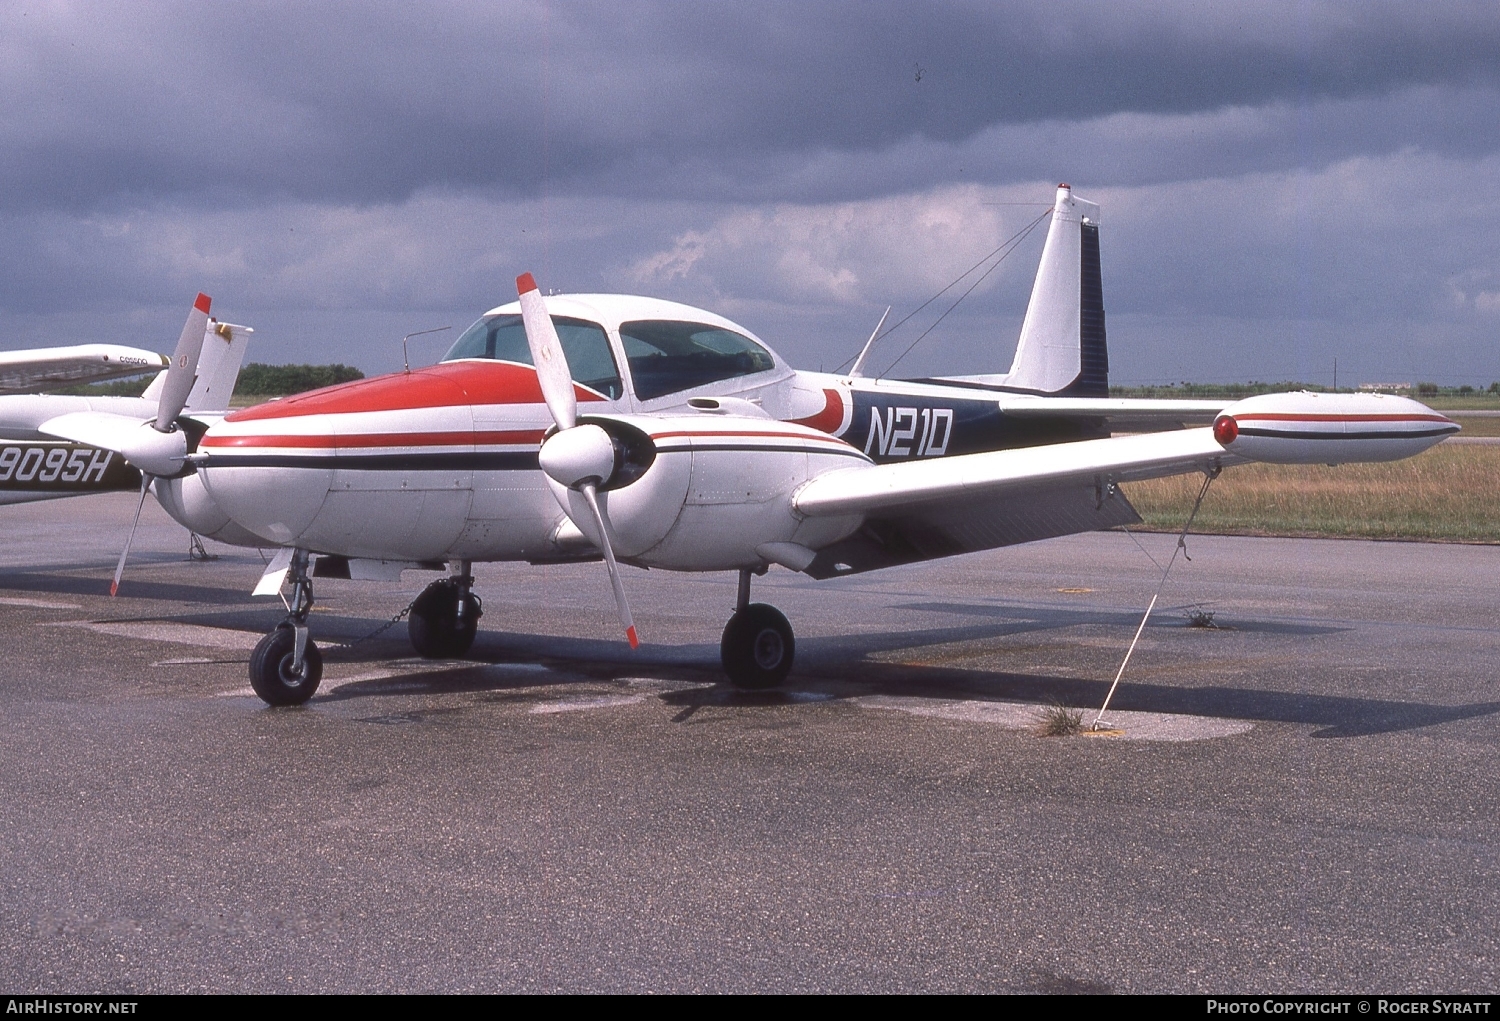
x=579, y=457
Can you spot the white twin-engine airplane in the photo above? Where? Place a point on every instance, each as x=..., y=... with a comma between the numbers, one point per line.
x=658, y=435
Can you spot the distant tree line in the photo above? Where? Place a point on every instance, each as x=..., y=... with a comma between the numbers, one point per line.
x=283, y=380
x=1187, y=389
x=256, y=380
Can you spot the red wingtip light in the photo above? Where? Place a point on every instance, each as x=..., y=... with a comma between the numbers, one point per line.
x=202, y=303
x=525, y=282
x=1226, y=429
x=630, y=634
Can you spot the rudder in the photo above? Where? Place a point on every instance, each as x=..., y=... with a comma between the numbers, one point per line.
x=1062, y=349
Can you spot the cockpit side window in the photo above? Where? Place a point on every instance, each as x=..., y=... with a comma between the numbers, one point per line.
x=666, y=356
x=584, y=343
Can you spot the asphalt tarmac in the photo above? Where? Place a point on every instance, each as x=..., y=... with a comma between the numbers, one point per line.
x=1300, y=798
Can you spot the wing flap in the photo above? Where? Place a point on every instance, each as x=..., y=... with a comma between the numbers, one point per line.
x=967, y=526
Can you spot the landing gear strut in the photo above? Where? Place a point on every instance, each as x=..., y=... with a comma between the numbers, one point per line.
x=445, y=617
x=286, y=666
x=757, y=648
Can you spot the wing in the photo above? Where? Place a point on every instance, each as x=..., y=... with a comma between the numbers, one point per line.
x=923, y=510
x=43, y=368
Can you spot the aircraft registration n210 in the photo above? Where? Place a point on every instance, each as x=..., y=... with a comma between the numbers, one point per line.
x=648, y=433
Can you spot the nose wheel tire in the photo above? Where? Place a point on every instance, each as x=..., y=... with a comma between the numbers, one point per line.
x=436, y=628
x=757, y=648
x=271, y=673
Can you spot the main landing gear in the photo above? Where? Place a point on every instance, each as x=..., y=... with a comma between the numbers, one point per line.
x=445, y=617
x=757, y=647
x=286, y=666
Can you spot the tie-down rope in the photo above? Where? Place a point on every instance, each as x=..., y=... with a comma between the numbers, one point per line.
x=1181, y=547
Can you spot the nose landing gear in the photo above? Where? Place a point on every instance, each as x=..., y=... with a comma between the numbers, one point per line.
x=757, y=648
x=286, y=666
x=445, y=617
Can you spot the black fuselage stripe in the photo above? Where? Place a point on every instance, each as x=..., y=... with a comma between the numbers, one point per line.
x=1412, y=435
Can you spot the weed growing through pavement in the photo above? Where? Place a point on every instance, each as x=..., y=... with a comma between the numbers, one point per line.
x=1057, y=720
x=1198, y=616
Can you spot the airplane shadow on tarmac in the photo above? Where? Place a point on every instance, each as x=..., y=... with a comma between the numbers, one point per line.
x=133, y=588
x=843, y=667
x=836, y=667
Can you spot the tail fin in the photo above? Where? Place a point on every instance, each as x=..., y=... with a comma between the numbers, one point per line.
x=218, y=369
x=1062, y=348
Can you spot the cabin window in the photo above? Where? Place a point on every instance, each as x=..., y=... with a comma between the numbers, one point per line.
x=667, y=356
x=584, y=343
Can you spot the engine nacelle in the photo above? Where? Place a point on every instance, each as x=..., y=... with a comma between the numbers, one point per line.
x=189, y=504
x=702, y=492
x=1317, y=428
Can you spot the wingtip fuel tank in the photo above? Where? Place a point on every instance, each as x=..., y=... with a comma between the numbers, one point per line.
x=1322, y=428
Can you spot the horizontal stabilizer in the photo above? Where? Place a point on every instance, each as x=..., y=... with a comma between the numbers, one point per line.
x=1114, y=407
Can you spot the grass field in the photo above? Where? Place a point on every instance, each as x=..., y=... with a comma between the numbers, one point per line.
x=1447, y=494
x=1476, y=425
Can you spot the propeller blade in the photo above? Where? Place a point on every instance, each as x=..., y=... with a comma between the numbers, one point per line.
x=183, y=371
x=626, y=621
x=547, y=353
x=114, y=586
x=152, y=452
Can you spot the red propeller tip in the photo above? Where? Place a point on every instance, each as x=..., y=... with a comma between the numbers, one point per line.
x=630, y=634
x=114, y=587
x=202, y=303
x=525, y=282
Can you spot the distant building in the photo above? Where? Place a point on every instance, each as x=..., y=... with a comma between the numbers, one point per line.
x=1386, y=387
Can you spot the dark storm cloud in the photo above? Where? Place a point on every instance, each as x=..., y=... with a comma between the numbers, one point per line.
x=365, y=103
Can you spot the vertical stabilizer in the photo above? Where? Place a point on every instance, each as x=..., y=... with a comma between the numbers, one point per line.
x=1062, y=348
x=218, y=367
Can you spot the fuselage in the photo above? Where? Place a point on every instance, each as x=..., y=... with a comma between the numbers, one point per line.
x=34, y=466
x=441, y=462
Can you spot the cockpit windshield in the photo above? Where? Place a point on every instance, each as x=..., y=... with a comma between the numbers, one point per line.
x=666, y=356
x=584, y=344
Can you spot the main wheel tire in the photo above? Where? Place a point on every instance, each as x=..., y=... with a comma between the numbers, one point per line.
x=271, y=669
x=434, y=625
x=757, y=648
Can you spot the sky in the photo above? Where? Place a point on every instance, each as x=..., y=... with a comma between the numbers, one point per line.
x=1284, y=185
